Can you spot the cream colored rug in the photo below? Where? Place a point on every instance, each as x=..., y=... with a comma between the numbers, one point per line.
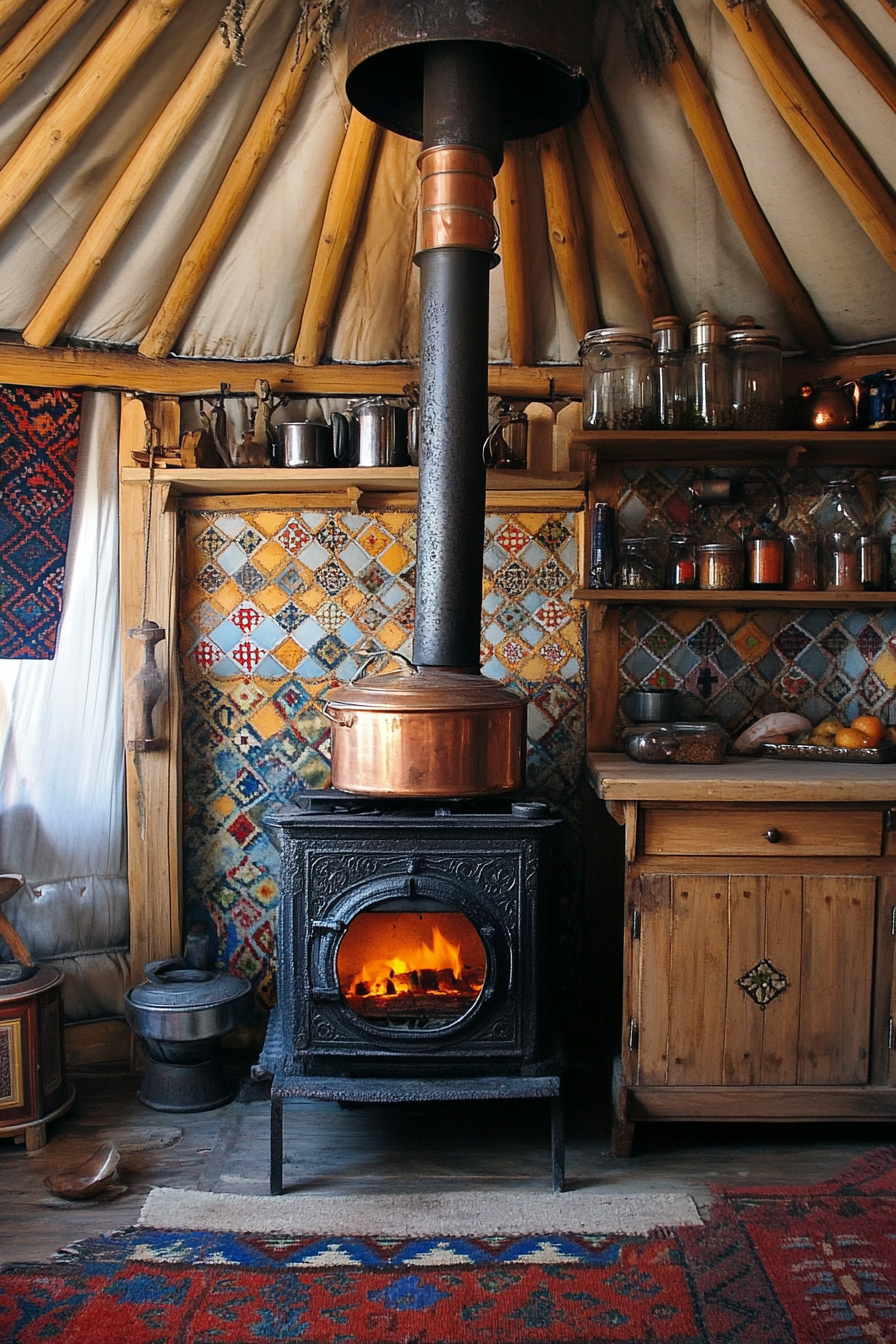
x=472, y=1214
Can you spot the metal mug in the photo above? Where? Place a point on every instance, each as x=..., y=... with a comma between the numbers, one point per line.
x=303, y=443
x=507, y=444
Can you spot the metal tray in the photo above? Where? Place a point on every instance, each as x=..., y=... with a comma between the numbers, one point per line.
x=792, y=751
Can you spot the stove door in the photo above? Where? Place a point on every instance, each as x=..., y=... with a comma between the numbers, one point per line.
x=408, y=958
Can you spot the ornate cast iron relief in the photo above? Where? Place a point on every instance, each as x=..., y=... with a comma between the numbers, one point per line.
x=763, y=983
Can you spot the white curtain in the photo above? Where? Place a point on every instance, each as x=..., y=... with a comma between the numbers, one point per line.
x=61, y=757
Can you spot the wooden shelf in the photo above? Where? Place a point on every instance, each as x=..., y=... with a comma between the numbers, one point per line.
x=348, y=485
x=777, y=447
x=728, y=597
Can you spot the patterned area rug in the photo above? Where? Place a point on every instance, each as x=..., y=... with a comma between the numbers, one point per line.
x=38, y=456
x=775, y=1265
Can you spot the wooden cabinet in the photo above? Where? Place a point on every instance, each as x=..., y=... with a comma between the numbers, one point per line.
x=758, y=973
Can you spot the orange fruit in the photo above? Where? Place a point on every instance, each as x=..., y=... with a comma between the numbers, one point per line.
x=871, y=726
x=851, y=737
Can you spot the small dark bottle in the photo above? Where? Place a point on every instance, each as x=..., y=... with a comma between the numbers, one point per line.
x=602, y=572
x=681, y=566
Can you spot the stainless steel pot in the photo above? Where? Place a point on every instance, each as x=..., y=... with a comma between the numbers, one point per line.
x=179, y=1003
x=301, y=443
x=374, y=434
x=651, y=706
x=426, y=732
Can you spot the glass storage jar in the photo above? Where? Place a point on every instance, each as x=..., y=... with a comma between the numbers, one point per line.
x=704, y=743
x=800, y=557
x=707, y=371
x=765, y=557
x=617, y=379
x=873, y=557
x=721, y=564
x=756, y=375
x=637, y=566
x=840, y=518
x=681, y=565
x=670, y=396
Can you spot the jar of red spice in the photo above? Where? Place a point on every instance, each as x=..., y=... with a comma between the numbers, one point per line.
x=765, y=558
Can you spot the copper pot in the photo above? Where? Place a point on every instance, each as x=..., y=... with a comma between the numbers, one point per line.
x=426, y=732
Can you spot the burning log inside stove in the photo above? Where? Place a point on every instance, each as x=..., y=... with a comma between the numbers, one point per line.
x=415, y=976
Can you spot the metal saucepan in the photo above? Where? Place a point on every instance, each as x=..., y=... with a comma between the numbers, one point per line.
x=301, y=443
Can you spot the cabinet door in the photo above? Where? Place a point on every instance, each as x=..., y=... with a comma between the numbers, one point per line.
x=740, y=980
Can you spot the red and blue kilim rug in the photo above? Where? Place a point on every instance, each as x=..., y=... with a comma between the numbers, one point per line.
x=38, y=456
x=800, y=1265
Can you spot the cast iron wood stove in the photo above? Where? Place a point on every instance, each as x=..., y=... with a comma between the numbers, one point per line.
x=412, y=955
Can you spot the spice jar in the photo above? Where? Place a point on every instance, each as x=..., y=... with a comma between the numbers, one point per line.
x=756, y=374
x=873, y=556
x=840, y=518
x=670, y=396
x=681, y=565
x=721, y=564
x=800, y=559
x=707, y=371
x=765, y=557
x=617, y=379
x=637, y=566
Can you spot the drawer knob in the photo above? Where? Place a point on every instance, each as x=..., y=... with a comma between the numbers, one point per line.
x=772, y=835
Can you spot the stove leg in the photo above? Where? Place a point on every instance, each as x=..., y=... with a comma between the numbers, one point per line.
x=276, y=1145
x=558, y=1146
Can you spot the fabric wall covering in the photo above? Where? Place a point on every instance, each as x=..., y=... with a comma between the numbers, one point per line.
x=276, y=608
x=38, y=456
x=61, y=754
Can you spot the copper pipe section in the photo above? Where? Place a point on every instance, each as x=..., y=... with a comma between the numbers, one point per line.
x=458, y=192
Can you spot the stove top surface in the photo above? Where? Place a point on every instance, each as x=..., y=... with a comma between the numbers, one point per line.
x=333, y=803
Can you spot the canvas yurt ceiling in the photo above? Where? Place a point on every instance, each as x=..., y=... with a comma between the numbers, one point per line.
x=158, y=194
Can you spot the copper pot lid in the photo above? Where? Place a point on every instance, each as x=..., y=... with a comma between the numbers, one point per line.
x=421, y=689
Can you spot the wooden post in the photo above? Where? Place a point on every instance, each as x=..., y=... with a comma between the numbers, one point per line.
x=9, y=9
x=271, y=120
x=623, y=211
x=341, y=218
x=816, y=127
x=843, y=30
x=517, y=290
x=37, y=36
x=566, y=229
x=711, y=134
x=166, y=135
x=61, y=125
x=152, y=777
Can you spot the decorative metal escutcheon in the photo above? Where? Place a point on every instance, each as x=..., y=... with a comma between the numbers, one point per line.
x=763, y=983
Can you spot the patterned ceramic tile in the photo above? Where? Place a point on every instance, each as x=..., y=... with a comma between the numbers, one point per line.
x=276, y=608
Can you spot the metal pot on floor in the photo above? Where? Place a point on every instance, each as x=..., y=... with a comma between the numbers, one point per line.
x=182, y=1013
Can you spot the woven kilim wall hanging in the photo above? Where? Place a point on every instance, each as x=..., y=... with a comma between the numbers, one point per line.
x=38, y=458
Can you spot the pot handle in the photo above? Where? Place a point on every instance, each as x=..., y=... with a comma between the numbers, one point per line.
x=381, y=653
x=173, y=970
x=337, y=716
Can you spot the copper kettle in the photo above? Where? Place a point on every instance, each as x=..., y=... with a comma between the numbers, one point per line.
x=826, y=404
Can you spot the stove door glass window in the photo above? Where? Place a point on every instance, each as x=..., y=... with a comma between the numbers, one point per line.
x=413, y=969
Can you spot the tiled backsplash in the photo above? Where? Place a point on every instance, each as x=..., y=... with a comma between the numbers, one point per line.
x=277, y=607
x=732, y=665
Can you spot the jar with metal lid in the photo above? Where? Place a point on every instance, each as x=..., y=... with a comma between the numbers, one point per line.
x=617, y=379
x=757, y=377
x=704, y=743
x=721, y=564
x=670, y=397
x=638, y=566
x=707, y=371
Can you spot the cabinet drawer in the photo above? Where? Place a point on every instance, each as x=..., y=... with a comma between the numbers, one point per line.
x=775, y=831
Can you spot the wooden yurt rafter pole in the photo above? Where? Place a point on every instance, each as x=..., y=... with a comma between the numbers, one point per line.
x=621, y=205
x=167, y=133
x=722, y=159
x=845, y=33
x=517, y=290
x=817, y=128
x=271, y=120
x=36, y=37
x=9, y=9
x=62, y=123
x=566, y=230
x=342, y=215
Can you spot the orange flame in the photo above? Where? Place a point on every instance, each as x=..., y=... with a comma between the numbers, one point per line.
x=440, y=956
